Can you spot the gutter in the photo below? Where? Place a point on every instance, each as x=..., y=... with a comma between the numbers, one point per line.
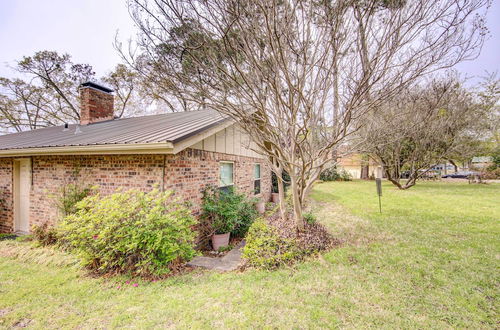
x=102, y=149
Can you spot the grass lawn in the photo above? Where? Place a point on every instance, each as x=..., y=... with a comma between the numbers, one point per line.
x=430, y=260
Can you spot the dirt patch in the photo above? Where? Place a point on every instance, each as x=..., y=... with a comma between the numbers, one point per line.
x=23, y=323
x=4, y=311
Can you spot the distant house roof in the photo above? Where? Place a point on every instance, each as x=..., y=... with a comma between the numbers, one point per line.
x=483, y=159
x=147, y=132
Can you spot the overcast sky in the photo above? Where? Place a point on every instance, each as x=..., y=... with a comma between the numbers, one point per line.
x=86, y=29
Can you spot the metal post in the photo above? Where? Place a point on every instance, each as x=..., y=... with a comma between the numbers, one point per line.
x=378, y=181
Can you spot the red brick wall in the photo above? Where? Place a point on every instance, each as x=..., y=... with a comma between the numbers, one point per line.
x=186, y=173
x=6, y=202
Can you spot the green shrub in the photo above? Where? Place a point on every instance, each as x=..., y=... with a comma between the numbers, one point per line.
x=346, y=176
x=6, y=236
x=132, y=231
x=228, y=211
x=309, y=217
x=491, y=174
x=265, y=248
x=44, y=234
x=333, y=174
x=329, y=174
x=69, y=195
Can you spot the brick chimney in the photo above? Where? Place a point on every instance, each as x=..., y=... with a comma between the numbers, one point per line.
x=96, y=103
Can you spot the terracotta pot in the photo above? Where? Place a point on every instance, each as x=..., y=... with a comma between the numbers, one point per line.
x=275, y=198
x=261, y=207
x=220, y=240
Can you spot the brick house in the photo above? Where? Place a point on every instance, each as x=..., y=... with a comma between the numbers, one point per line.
x=183, y=152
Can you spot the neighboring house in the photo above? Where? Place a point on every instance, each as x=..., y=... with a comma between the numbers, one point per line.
x=481, y=163
x=183, y=152
x=356, y=163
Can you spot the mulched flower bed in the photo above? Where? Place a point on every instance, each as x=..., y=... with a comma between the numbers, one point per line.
x=315, y=236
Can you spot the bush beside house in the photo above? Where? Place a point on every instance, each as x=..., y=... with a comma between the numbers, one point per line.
x=146, y=234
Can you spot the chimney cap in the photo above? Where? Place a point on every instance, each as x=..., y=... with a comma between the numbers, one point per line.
x=96, y=86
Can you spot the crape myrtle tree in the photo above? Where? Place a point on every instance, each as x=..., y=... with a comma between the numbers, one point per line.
x=299, y=74
x=46, y=92
x=421, y=127
x=483, y=134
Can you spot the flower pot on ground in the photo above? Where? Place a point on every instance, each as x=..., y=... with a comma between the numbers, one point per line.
x=226, y=212
x=261, y=207
x=220, y=240
x=275, y=197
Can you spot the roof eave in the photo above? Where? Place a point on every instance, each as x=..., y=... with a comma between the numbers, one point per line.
x=104, y=149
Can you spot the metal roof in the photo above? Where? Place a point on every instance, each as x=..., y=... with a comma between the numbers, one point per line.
x=169, y=127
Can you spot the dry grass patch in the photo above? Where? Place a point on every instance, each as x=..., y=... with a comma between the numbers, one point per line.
x=26, y=252
x=346, y=227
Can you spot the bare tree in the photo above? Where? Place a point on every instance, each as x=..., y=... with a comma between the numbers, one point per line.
x=60, y=75
x=298, y=75
x=48, y=93
x=129, y=96
x=420, y=128
x=25, y=107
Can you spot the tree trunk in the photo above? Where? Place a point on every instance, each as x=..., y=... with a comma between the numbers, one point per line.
x=365, y=170
x=281, y=193
x=412, y=180
x=454, y=164
x=297, y=204
x=394, y=179
x=365, y=167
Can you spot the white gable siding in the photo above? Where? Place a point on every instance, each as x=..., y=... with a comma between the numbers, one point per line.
x=231, y=140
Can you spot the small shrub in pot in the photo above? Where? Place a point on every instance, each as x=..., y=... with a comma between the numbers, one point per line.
x=228, y=212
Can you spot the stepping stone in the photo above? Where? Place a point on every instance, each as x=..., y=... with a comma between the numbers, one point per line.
x=229, y=262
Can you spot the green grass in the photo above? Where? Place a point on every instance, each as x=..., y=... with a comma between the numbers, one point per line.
x=430, y=260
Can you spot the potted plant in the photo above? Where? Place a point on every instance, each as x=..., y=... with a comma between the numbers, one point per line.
x=220, y=214
x=275, y=197
x=222, y=231
x=260, y=206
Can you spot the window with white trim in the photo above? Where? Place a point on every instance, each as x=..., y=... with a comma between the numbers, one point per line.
x=256, y=179
x=226, y=176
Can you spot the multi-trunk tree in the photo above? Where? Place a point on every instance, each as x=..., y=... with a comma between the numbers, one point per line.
x=299, y=74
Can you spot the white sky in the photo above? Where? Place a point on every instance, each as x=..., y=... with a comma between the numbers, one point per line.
x=86, y=29
x=83, y=28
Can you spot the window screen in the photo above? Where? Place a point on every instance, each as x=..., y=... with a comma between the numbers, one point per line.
x=226, y=175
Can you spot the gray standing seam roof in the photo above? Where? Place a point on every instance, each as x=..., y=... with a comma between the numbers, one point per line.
x=169, y=127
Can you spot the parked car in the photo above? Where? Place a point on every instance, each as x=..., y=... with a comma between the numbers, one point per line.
x=460, y=175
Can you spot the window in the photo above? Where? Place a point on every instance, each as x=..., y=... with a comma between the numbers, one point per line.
x=226, y=177
x=256, y=179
